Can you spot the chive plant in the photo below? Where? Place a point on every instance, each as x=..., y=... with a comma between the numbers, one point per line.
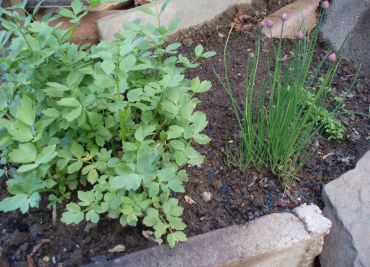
x=277, y=123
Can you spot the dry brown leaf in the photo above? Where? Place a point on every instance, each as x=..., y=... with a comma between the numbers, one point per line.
x=301, y=17
x=117, y=249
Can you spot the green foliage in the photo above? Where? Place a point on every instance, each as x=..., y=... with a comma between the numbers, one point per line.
x=331, y=126
x=282, y=117
x=113, y=124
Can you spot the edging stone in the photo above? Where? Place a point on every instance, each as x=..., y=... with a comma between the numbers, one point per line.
x=190, y=13
x=350, y=18
x=279, y=239
x=347, y=205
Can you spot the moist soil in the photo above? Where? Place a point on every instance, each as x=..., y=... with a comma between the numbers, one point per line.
x=237, y=197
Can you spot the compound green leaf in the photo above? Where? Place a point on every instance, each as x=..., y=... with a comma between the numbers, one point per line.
x=25, y=153
x=92, y=216
x=202, y=139
x=27, y=167
x=26, y=111
x=199, y=50
x=74, y=167
x=77, y=150
x=129, y=182
x=108, y=66
x=47, y=154
x=174, y=131
x=73, y=214
x=20, y=131
x=69, y=102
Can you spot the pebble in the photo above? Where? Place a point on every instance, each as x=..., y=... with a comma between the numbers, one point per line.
x=268, y=202
x=207, y=196
x=46, y=259
x=189, y=200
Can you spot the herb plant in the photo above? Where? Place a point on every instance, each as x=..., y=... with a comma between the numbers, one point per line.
x=105, y=129
x=283, y=116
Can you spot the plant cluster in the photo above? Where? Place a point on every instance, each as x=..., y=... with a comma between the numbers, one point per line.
x=107, y=129
x=331, y=126
x=280, y=120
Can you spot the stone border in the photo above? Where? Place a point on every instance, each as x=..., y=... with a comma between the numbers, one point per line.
x=279, y=239
x=190, y=13
x=347, y=205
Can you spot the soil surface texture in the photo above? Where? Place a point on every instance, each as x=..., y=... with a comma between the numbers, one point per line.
x=235, y=197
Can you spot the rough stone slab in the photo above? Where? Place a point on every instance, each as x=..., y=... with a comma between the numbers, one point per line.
x=350, y=17
x=273, y=240
x=347, y=205
x=190, y=12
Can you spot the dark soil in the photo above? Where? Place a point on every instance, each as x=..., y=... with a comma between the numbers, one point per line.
x=237, y=197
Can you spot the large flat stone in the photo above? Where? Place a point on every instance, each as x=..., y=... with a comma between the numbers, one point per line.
x=273, y=240
x=350, y=18
x=190, y=12
x=347, y=205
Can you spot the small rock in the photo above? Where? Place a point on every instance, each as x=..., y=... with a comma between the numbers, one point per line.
x=346, y=160
x=53, y=259
x=207, y=196
x=117, y=249
x=46, y=259
x=189, y=200
x=220, y=35
x=355, y=136
x=263, y=182
x=268, y=202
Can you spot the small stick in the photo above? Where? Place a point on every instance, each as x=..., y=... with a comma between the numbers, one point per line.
x=30, y=261
x=54, y=215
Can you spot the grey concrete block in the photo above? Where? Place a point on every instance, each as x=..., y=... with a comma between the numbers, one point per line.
x=347, y=205
x=350, y=18
x=273, y=240
x=190, y=12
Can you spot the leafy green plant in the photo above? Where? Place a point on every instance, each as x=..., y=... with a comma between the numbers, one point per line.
x=280, y=119
x=331, y=126
x=106, y=129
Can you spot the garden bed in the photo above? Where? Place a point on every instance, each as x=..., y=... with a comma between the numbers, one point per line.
x=237, y=197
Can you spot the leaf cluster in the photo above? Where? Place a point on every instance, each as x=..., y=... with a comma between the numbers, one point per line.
x=109, y=126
